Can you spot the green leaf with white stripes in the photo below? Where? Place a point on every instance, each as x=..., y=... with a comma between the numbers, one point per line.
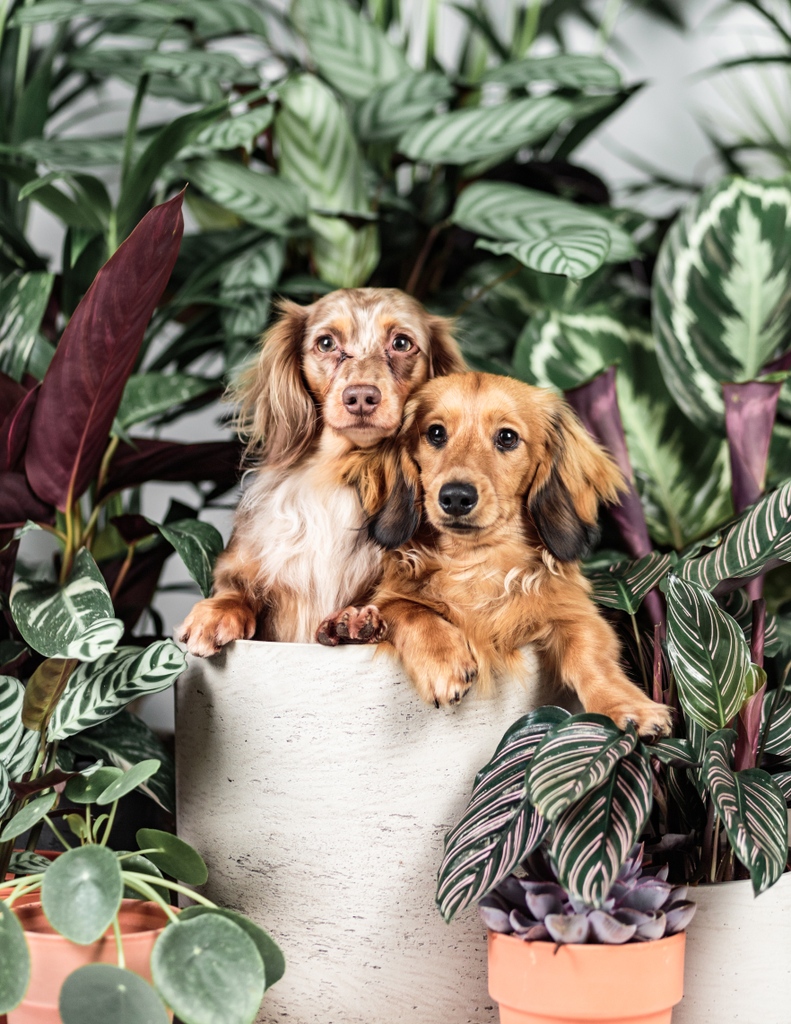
x=319, y=153
x=395, y=107
x=475, y=133
x=752, y=809
x=246, y=285
x=266, y=200
x=761, y=536
x=23, y=302
x=24, y=756
x=624, y=585
x=573, y=758
x=592, y=838
x=783, y=782
x=679, y=753
x=570, y=252
x=576, y=70
x=722, y=292
x=147, y=395
x=72, y=621
x=6, y=793
x=100, y=689
x=739, y=606
x=354, y=56
x=708, y=654
x=499, y=826
x=198, y=545
x=238, y=132
x=778, y=738
x=12, y=695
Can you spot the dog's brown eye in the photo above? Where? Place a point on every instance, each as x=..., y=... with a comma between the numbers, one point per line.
x=506, y=440
x=326, y=343
x=436, y=435
x=401, y=343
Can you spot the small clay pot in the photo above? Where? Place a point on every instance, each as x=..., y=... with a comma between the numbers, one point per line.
x=31, y=897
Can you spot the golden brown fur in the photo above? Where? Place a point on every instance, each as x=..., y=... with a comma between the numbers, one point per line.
x=472, y=587
x=299, y=547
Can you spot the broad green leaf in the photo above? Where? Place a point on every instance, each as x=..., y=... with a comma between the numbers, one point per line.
x=721, y=292
x=173, y=856
x=130, y=780
x=12, y=695
x=624, y=585
x=23, y=302
x=185, y=65
x=147, y=395
x=778, y=738
x=677, y=752
x=708, y=654
x=573, y=758
x=23, y=757
x=30, y=815
x=198, y=545
x=389, y=111
x=140, y=865
x=237, y=132
x=99, y=690
x=265, y=200
x=783, y=783
x=81, y=893
x=25, y=862
x=752, y=809
x=6, y=793
x=576, y=70
x=592, y=838
x=86, y=789
x=15, y=961
x=269, y=951
x=570, y=252
x=246, y=285
x=100, y=993
x=739, y=606
x=73, y=621
x=43, y=691
x=499, y=826
x=352, y=54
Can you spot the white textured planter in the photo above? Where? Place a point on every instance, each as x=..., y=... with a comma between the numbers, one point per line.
x=319, y=788
x=738, y=968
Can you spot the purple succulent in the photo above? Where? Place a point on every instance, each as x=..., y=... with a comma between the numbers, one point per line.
x=640, y=907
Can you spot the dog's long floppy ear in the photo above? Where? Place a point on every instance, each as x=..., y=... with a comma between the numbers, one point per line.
x=277, y=415
x=573, y=476
x=444, y=354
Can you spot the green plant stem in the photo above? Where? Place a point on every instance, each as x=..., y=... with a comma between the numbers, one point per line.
x=715, y=848
x=432, y=10
x=422, y=256
x=150, y=894
x=529, y=28
x=3, y=18
x=640, y=661
x=119, y=944
x=22, y=890
x=22, y=54
x=609, y=18
x=109, y=826
x=137, y=853
x=88, y=822
x=131, y=128
x=464, y=306
x=57, y=833
x=125, y=567
x=175, y=886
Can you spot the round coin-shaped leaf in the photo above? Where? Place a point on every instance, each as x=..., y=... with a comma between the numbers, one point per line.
x=268, y=949
x=86, y=789
x=173, y=856
x=101, y=993
x=81, y=893
x=208, y=970
x=14, y=960
x=30, y=814
x=128, y=781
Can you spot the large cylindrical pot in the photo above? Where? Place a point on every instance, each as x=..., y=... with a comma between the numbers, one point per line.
x=738, y=956
x=319, y=789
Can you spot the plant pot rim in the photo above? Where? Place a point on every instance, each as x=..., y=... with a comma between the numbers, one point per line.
x=127, y=906
x=589, y=949
x=709, y=886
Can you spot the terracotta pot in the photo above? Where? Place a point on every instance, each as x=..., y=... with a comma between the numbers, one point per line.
x=31, y=897
x=541, y=983
x=53, y=958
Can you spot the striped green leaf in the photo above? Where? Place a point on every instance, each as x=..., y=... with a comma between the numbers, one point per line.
x=246, y=285
x=147, y=395
x=576, y=70
x=236, y=132
x=592, y=838
x=499, y=826
x=708, y=654
x=722, y=292
x=395, y=107
x=12, y=695
x=185, y=65
x=739, y=606
x=624, y=585
x=265, y=200
x=759, y=536
x=508, y=212
x=679, y=753
x=461, y=136
x=198, y=545
x=351, y=53
x=22, y=759
x=72, y=621
x=23, y=301
x=571, y=252
x=573, y=758
x=778, y=738
x=319, y=154
x=100, y=689
x=6, y=793
x=752, y=809
x=783, y=782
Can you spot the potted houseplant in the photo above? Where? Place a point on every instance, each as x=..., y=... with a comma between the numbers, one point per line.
x=90, y=950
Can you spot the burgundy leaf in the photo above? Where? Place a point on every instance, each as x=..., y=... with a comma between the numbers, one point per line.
x=748, y=730
x=496, y=920
x=139, y=585
x=18, y=503
x=133, y=528
x=145, y=460
x=15, y=429
x=8, y=552
x=56, y=779
x=749, y=420
x=11, y=394
x=82, y=387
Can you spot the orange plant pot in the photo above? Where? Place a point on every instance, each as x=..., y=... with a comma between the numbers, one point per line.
x=53, y=958
x=541, y=983
x=31, y=897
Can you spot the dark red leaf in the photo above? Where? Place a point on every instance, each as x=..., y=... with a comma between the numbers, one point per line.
x=11, y=394
x=82, y=388
x=749, y=420
x=748, y=731
x=18, y=503
x=133, y=528
x=56, y=779
x=139, y=585
x=15, y=430
x=146, y=459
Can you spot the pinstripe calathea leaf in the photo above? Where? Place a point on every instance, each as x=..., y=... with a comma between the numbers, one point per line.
x=708, y=654
x=198, y=545
x=625, y=584
x=592, y=838
x=576, y=70
x=721, y=292
x=573, y=758
x=72, y=621
x=12, y=694
x=778, y=738
x=319, y=153
x=679, y=753
x=571, y=252
x=499, y=826
x=402, y=103
x=98, y=690
x=752, y=809
x=739, y=606
x=353, y=55
x=246, y=285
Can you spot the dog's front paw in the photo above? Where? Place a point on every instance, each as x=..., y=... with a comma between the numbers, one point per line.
x=215, y=622
x=353, y=626
x=451, y=683
x=444, y=668
x=649, y=719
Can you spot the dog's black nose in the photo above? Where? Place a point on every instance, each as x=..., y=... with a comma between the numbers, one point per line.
x=458, y=499
x=361, y=399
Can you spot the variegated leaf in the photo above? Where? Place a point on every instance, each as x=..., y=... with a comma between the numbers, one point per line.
x=25, y=862
x=147, y=395
x=351, y=53
x=708, y=654
x=246, y=285
x=198, y=545
x=395, y=107
x=72, y=621
x=23, y=758
x=43, y=691
x=739, y=606
x=23, y=302
x=573, y=758
x=576, y=70
x=752, y=809
x=499, y=826
x=6, y=793
x=266, y=200
x=592, y=838
x=12, y=694
x=759, y=536
x=783, y=783
x=679, y=753
x=239, y=132
x=778, y=738
x=570, y=252
x=624, y=585
x=98, y=690
x=722, y=292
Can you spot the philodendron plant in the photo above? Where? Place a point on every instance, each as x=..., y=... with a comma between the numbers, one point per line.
x=207, y=964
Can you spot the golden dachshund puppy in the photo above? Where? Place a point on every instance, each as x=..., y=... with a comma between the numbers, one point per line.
x=332, y=379
x=504, y=482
